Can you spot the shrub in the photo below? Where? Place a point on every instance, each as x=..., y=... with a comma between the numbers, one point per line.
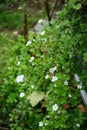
x=44, y=77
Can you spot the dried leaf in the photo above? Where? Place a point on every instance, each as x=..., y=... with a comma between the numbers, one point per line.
x=82, y=108
x=66, y=106
x=44, y=51
x=35, y=98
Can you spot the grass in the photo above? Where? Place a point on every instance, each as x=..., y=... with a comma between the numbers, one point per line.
x=5, y=44
x=10, y=20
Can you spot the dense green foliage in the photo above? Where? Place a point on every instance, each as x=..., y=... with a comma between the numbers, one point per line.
x=41, y=87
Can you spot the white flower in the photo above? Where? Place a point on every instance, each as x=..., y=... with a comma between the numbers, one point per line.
x=33, y=40
x=33, y=64
x=46, y=123
x=70, y=56
x=54, y=78
x=18, y=63
x=22, y=94
x=55, y=107
x=40, y=21
x=31, y=59
x=59, y=112
x=47, y=76
x=42, y=33
x=55, y=85
x=52, y=70
x=48, y=116
x=20, y=7
x=28, y=43
x=65, y=82
x=77, y=78
x=69, y=95
x=40, y=124
x=20, y=78
x=32, y=86
x=79, y=86
x=78, y=125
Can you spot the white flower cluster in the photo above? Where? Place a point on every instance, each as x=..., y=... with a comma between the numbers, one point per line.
x=52, y=70
x=54, y=78
x=20, y=78
x=22, y=94
x=55, y=107
x=41, y=123
x=31, y=59
x=79, y=86
x=28, y=43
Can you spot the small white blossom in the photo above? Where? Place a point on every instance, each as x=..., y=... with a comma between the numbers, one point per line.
x=52, y=70
x=32, y=86
x=54, y=78
x=40, y=21
x=47, y=76
x=59, y=112
x=70, y=56
x=55, y=85
x=65, y=82
x=77, y=78
x=22, y=94
x=20, y=7
x=20, y=78
x=31, y=59
x=78, y=125
x=33, y=40
x=48, y=116
x=46, y=123
x=79, y=86
x=40, y=124
x=42, y=33
x=28, y=43
x=18, y=63
x=55, y=107
x=70, y=95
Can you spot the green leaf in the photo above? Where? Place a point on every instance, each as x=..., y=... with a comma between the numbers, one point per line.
x=70, y=4
x=85, y=57
x=77, y=6
x=35, y=98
